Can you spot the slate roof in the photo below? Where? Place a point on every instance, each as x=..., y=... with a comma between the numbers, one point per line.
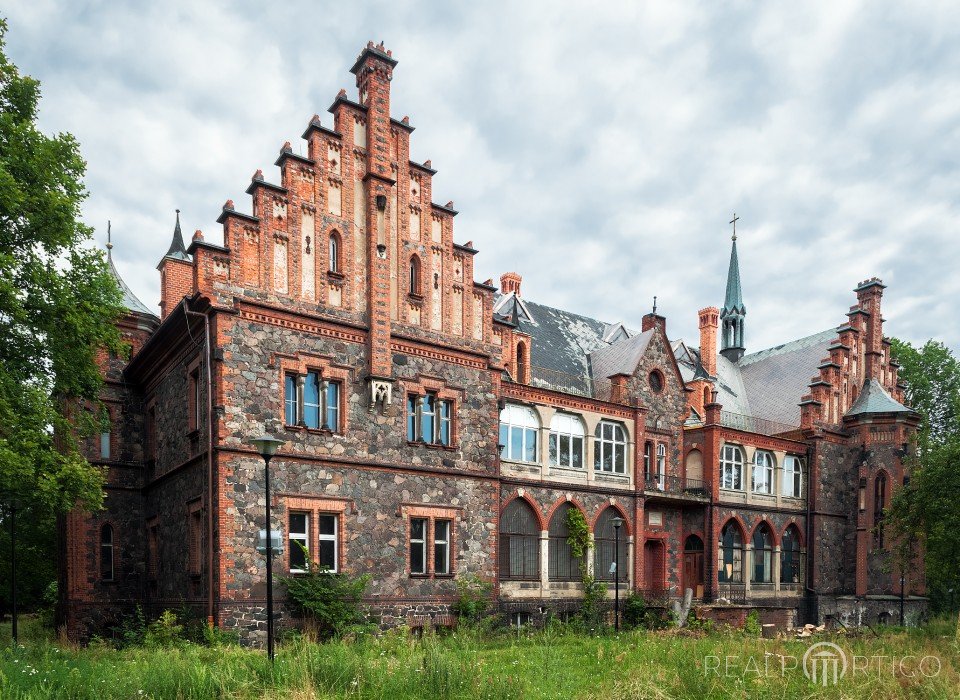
x=130, y=299
x=177, y=250
x=875, y=399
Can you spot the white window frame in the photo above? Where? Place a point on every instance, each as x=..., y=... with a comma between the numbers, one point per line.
x=325, y=537
x=569, y=427
x=445, y=543
x=301, y=537
x=731, y=467
x=661, y=465
x=764, y=464
x=602, y=445
x=524, y=419
x=792, y=486
x=422, y=542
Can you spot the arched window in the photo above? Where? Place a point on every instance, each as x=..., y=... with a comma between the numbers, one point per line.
x=730, y=554
x=605, y=547
x=792, y=476
x=334, y=252
x=610, y=448
x=731, y=468
x=879, y=502
x=563, y=566
x=762, y=472
x=762, y=554
x=519, y=542
x=522, y=363
x=519, y=428
x=566, y=441
x=791, y=557
x=106, y=553
x=414, y=281
x=693, y=544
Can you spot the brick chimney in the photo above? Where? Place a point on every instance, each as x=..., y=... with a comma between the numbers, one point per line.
x=709, y=321
x=653, y=319
x=869, y=293
x=510, y=282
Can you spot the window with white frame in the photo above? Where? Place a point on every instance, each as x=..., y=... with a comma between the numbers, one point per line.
x=762, y=472
x=327, y=541
x=731, y=468
x=566, y=441
x=311, y=401
x=418, y=546
x=441, y=547
x=429, y=419
x=299, y=541
x=792, y=477
x=519, y=428
x=661, y=464
x=610, y=448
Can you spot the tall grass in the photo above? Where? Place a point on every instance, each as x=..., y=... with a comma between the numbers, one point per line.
x=553, y=663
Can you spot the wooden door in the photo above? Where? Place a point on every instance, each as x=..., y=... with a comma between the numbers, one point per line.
x=653, y=565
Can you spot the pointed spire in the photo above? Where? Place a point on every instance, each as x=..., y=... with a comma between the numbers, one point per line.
x=177, y=250
x=734, y=312
x=734, y=297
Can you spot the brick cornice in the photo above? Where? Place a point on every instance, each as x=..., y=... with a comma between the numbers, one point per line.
x=299, y=322
x=525, y=392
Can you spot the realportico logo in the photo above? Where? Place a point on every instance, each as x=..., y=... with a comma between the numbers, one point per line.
x=824, y=663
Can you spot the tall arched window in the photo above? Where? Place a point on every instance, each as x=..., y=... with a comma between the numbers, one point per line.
x=106, y=553
x=730, y=554
x=762, y=472
x=610, y=448
x=566, y=441
x=731, y=468
x=605, y=545
x=519, y=542
x=563, y=566
x=334, y=252
x=879, y=502
x=791, y=557
x=414, y=275
x=519, y=429
x=792, y=477
x=762, y=555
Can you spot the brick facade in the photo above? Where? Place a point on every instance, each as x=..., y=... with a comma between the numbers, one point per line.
x=348, y=271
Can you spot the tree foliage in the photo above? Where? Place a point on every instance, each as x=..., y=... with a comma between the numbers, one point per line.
x=58, y=307
x=925, y=511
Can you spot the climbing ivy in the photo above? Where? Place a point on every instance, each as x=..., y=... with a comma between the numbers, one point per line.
x=581, y=542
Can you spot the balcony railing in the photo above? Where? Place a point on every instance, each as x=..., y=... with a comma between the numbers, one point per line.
x=751, y=424
x=735, y=593
x=675, y=485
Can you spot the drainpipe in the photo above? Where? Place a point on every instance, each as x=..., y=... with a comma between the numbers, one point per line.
x=210, y=446
x=808, y=573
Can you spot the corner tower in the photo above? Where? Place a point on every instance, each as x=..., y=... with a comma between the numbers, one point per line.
x=734, y=312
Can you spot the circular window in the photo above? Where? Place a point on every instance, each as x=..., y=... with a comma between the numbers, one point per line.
x=656, y=381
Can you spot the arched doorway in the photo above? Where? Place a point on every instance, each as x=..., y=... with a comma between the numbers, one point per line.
x=693, y=569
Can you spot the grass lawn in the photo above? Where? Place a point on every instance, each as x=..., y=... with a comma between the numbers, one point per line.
x=544, y=664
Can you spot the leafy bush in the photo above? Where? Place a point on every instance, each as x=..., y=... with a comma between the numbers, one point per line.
x=165, y=631
x=580, y=541
x=473, y=597
x=752, y=625
x=634, y=610
x=331, y=603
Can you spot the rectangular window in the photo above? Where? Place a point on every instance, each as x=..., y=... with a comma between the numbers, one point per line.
x=299, y=541
x=311, y=400
x=290, y=399
x=195, y=535
x=429, y=419
x=105, y=445
x=441, y=547
x=333, y=406
x=327, y=526
x=153, y=552
x=418, y=546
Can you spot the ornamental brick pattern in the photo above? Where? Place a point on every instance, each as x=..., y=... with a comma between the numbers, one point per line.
x=346, y=268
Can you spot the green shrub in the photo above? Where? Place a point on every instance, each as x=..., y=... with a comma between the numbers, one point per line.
x=331, y=603
x=752, y=625
x=473, y=597
x=165, y=631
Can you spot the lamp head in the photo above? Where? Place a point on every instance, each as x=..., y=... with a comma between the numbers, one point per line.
x=617, y=523
x=266, y=445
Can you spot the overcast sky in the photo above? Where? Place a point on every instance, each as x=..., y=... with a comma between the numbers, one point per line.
x=598, y=149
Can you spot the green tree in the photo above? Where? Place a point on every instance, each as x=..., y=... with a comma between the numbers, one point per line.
x=925, y=511
x=58, y=307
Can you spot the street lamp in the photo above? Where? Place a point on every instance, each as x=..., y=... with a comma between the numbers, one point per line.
x=617, y=523
x=267, y=446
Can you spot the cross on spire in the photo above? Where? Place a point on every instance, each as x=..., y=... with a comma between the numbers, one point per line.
x=734, y=221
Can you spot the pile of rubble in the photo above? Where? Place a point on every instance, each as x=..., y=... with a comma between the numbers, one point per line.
x=809, y=630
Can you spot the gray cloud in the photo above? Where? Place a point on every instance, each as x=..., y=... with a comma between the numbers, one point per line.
x=597, y=149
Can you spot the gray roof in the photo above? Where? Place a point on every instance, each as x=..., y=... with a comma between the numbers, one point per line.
x=875, y=399
x=130, y=299
x=775, y=379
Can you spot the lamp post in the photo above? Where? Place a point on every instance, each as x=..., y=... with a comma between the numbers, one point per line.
x=617, y=523
x=267, y=446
